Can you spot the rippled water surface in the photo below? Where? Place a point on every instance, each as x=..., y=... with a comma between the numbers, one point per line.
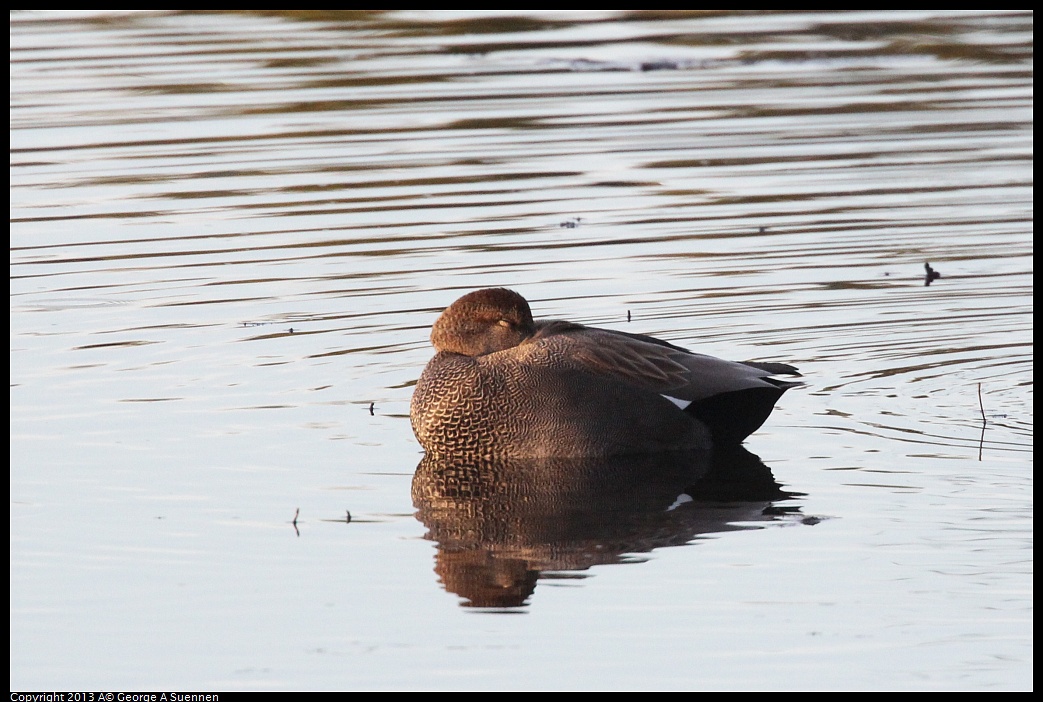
x=231, y=232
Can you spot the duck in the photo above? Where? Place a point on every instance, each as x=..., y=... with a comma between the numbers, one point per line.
x=503, y=385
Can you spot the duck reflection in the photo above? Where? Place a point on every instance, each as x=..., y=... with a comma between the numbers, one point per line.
x=502, y=525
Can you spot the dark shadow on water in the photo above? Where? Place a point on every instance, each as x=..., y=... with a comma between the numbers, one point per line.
x=502, y=526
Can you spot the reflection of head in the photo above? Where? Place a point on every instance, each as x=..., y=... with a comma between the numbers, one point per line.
x=485, y=580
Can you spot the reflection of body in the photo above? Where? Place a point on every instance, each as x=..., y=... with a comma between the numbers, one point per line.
x=502, y=384
x=499, y=524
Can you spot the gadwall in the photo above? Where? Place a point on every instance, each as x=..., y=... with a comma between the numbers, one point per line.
x=504, y=385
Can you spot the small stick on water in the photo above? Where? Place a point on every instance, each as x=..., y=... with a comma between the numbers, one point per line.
x=295, y=515
x=981, y=441
x=347, y=519
x=370, y=409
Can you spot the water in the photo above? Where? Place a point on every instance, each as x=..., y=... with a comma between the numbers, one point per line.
x=230, y=233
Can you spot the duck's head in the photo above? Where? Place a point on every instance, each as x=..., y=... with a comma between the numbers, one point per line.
x=482, y=322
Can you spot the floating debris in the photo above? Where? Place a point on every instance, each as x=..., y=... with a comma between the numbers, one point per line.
x=371, y=409
x=664, y=65
x=931, y=276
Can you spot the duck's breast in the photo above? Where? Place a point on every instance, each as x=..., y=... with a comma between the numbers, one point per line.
x=526, y=402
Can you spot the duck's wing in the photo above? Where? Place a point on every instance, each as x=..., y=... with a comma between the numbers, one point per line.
x=773, y=368
x=653, y=364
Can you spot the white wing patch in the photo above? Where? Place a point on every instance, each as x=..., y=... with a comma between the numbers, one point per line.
x=683, y=404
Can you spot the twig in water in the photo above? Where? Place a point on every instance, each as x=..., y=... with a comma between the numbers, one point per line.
x=981, y=441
